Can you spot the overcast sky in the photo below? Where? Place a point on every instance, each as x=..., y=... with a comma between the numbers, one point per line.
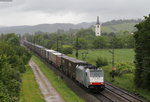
x=32, y=12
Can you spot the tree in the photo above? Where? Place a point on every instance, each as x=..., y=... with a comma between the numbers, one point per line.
x=82, y=43
x=14, y=41
x=119, y=43
x=9, y=83
x=100, y=42
x=142, y=57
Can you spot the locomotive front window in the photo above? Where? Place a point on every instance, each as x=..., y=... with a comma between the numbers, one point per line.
x=96, y=74
x=86, y=73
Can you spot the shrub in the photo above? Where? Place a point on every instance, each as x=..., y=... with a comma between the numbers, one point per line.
x=101, y=62
x=67, y=49
x=123, y=68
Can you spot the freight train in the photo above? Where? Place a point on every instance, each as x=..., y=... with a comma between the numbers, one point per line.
x=85, y=74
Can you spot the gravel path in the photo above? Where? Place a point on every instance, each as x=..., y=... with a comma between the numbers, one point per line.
x=49, y=93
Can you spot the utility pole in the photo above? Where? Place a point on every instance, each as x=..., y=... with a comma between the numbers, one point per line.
x=113, y=58
x=84, y=55
x=61, y=44
x=34, y=42
x=61, y=52
x=77, y=47
x=57, y=44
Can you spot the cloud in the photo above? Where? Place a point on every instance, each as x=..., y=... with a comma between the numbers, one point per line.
x=72, y=11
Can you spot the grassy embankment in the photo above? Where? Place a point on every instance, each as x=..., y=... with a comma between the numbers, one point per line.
x=30, y=91
x=125, y=81
x=58, y=84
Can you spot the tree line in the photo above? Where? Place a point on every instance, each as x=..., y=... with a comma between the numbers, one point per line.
x=86, y=40
x=13, y=58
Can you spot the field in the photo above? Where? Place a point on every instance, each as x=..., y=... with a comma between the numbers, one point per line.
x=125, y=81
x=125, y=55
x=58, y=84
x=119, y=27
x=30, y=91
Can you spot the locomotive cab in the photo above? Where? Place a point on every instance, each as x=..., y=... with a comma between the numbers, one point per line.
x=96, y=80
x=91, y=77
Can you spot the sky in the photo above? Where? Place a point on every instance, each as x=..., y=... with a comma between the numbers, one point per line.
x=32, y=12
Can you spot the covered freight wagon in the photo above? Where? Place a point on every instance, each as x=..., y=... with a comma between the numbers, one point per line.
x=49, y=54
x=44, y=52
x=56, y=58
x=70, y=64
x=65, y=63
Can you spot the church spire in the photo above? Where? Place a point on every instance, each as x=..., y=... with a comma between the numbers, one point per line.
x=98, y=28
x=97, y=20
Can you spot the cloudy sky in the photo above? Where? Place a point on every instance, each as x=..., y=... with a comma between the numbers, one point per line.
x=32, y=12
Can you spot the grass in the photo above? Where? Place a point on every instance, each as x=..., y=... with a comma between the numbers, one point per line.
x=58, y=84
x=125, y=81
x=30, y=91
x=125, y=55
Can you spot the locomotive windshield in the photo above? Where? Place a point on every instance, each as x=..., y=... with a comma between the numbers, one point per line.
x=97, y=73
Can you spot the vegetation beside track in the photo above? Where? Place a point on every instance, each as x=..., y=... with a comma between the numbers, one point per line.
x=30, y=91
x=58, y=84
x=125, y=81
x=13, y=58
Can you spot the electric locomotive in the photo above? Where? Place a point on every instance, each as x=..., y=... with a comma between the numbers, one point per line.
x=91, y=77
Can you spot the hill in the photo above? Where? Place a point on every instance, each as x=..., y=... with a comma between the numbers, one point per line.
x=120, y=25
x=110, y=26
x=43, y=27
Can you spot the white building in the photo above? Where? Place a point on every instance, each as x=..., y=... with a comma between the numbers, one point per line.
x=98, y=28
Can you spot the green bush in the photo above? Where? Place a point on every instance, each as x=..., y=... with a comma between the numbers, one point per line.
x=101, y=62
x=123, y=68
x=67, y=49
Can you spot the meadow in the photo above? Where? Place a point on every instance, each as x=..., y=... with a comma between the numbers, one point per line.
x=121, y=55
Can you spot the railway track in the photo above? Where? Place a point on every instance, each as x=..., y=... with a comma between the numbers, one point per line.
x=122, y=94
x=103, y=98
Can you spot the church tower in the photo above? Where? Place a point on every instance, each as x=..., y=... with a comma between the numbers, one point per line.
x=98, y=28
